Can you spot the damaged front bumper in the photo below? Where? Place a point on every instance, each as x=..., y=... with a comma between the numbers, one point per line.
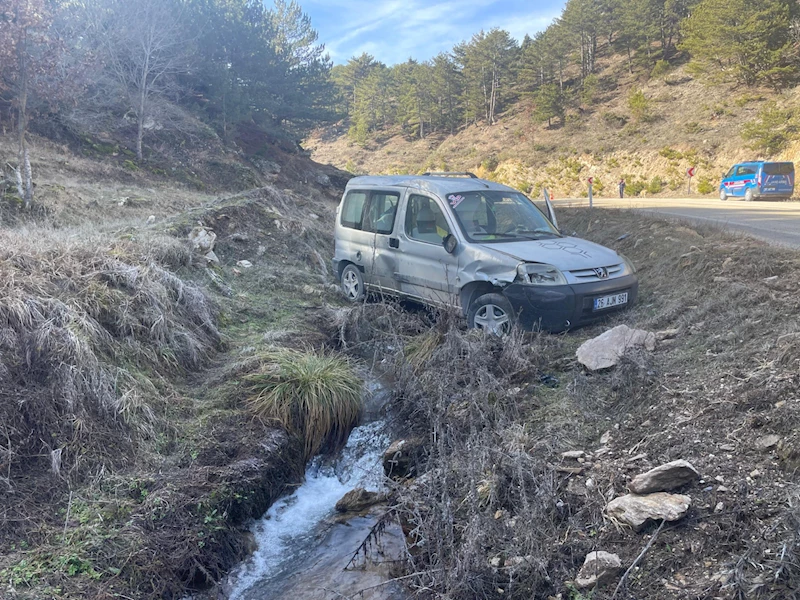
x=563, y=307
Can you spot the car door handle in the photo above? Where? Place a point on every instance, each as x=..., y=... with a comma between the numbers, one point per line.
x=394, y=243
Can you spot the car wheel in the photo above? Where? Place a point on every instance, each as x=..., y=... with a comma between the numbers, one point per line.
x=722, y=195
x=352, y=283
x=491, y=313
x=748, y=195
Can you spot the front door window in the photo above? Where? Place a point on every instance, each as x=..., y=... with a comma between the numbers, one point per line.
x=425, y=221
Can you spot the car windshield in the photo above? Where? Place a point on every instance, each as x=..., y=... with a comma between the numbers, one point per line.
x=498, y=216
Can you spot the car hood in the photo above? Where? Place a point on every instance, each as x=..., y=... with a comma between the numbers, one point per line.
x=566, y=254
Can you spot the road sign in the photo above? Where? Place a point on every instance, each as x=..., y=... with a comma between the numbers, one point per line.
x=690, y=171
x=590, y=180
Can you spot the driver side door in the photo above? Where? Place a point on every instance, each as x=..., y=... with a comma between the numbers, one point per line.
x=424, y=269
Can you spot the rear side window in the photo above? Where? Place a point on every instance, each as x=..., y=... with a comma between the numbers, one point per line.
x=353, y=209
x=381, y=212
x=746, y=170
x=785, y=168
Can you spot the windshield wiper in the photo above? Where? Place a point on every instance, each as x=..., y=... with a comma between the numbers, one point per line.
x=540, y=232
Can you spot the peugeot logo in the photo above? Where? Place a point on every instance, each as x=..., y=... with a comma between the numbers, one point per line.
x=601, y=272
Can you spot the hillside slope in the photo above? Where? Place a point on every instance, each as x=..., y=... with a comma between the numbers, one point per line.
x=690, y=123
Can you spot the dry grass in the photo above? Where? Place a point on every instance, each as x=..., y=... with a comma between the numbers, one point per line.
x=315, y=396
x=493, y=511
x=85, y=322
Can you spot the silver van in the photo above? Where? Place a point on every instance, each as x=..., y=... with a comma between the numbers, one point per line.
x=453, y=240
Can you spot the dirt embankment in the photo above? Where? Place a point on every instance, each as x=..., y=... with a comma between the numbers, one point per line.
x=500, y=512
x=129, y=460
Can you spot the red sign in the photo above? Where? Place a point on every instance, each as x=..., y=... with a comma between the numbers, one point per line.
x=590, y=180
x=690, y=171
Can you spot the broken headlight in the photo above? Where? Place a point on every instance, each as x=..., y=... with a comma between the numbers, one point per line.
x=539, y=274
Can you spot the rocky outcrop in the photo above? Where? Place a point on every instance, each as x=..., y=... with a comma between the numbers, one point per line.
x=637, y=510
x=664, y=478
x=606, y=350
x=599, y=568
x=401, y=458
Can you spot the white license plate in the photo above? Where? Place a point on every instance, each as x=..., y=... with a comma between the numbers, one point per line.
x=609, y=301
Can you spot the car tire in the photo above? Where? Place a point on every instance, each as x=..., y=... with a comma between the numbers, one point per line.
x=748, y=195
x=722, y=195
x=492, y=313
x=352, y=283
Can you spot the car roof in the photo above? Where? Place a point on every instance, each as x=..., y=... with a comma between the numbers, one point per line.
x=440, y=185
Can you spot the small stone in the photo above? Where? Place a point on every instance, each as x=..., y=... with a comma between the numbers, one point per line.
x=727, y=263
x=598, y=568
x=211, y=257
x=719, y=507
x=647, y=423
x=202, y=239
x=573, y=454
x=498, y=515
x=767, y=442
x=151, y=219
x=245, y=264
x=496, y=561
x=606, y=438
x=722, y=489
x=664, y=478
x=727, y=447
x=755, y=473
x=667, y=334
x=780, y=404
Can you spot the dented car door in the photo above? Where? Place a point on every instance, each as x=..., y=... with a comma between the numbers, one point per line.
x=423, y=268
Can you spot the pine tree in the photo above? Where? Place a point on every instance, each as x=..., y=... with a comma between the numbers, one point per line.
x=745, y=41
x=549, y=104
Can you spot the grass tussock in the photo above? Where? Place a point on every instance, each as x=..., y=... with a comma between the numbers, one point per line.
x=315, y=396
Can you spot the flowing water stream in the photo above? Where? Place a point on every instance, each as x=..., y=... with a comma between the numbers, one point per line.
x=302, y=551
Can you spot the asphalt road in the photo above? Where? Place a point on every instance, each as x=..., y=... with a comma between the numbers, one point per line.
x=777, y=222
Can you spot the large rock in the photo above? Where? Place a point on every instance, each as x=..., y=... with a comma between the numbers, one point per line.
x=637, y=510
x=599, y=567
x=607, y=349
x=664, y=478
x=358, y=499
x=401, y=458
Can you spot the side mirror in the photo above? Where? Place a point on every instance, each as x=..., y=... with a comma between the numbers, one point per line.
x=450, y=243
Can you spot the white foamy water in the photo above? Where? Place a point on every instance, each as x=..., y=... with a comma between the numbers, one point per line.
x=293, y=525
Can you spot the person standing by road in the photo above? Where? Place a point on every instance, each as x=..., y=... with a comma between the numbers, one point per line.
x=621, y=187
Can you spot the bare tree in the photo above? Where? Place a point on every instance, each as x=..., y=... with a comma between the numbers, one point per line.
x=24, y=55
x=145, y=45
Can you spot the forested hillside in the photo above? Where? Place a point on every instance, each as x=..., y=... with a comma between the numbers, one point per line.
x=609, y=78
x=142, y=81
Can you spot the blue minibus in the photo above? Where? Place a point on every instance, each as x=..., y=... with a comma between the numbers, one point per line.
x=758, y=179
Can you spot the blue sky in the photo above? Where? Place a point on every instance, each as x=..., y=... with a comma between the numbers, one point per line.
x=394, y=30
